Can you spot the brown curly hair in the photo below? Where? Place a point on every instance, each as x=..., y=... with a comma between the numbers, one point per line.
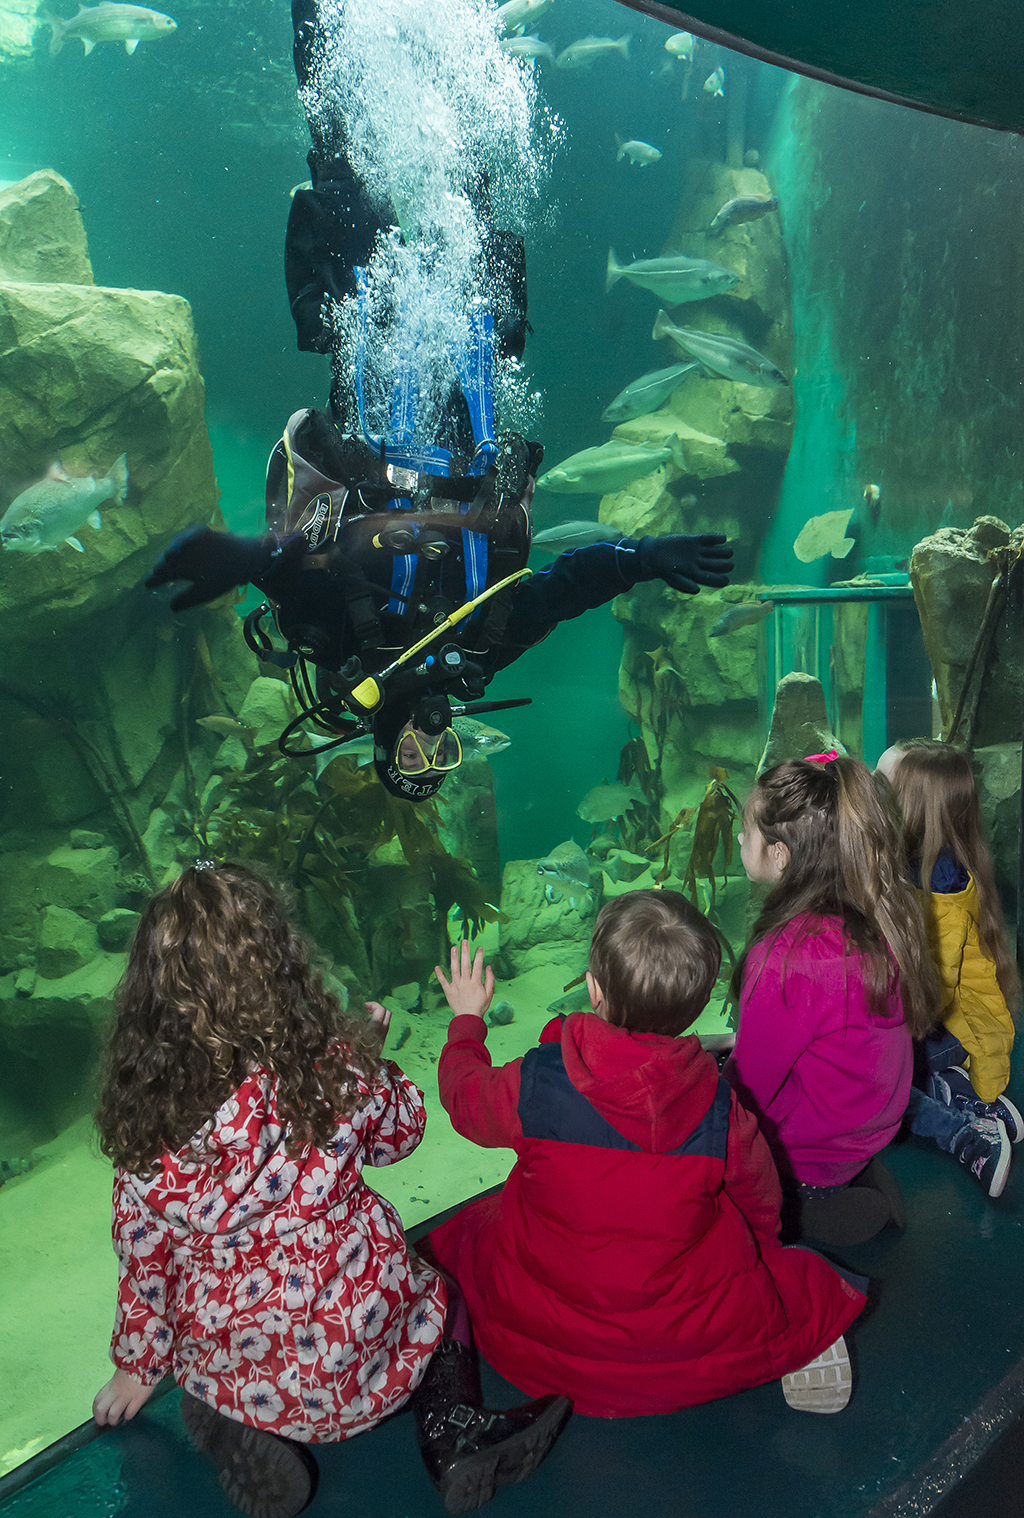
x=218, y=983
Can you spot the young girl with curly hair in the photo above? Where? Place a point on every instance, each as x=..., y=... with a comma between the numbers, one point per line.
x=833, y=985
x=965, y=1064
x=256, y=1265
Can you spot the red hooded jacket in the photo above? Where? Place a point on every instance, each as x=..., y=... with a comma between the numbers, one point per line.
x=631, y=1259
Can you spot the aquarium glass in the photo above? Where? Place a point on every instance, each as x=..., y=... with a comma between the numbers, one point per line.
x=793, y=311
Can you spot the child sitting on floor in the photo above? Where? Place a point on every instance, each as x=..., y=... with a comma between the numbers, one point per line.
x=257, y=1265
x=631, y=1259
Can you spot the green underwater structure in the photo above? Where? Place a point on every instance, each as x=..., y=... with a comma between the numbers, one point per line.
x=876, y=505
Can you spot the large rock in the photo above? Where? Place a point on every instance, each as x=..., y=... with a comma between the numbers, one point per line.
x=536, y=932
x=800, y=723
x=997, y=770
x=952, y=574
x=18, y=24
x=67, y=943
x=42, y=238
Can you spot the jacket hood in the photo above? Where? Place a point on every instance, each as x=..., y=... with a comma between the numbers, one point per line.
x=653, y=1089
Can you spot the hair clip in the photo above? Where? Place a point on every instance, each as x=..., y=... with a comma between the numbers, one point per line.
x=205, y=864
x=822, y=758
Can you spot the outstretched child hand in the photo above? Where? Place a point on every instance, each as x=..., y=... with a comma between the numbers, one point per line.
x=471, y=987
x=120, y=1399
x=379, y=1016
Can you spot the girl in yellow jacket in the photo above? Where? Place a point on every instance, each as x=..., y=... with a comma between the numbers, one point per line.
x=968, y=1060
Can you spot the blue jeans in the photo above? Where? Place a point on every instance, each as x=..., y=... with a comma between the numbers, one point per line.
x=925, y=1116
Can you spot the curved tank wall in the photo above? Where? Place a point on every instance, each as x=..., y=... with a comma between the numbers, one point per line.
x=143, y=312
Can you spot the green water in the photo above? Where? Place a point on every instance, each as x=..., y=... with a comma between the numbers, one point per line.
x=864, y=288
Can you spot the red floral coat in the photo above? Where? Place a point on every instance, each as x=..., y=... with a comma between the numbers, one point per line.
x=279, y=1291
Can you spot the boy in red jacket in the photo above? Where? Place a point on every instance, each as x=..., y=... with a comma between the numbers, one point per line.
x=631, y=1260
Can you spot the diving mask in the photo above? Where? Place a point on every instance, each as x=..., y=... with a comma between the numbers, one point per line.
x=416, y=752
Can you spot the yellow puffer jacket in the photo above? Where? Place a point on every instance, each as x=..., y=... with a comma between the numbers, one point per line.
x=973, y=1007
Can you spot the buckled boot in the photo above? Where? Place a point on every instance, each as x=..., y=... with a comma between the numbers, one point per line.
x=470, y=1451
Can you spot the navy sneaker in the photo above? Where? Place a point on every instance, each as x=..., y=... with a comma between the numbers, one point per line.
x=953, y=1087
x=983, y=1148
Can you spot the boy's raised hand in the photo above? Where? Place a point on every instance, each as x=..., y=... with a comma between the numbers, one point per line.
x=471, y=987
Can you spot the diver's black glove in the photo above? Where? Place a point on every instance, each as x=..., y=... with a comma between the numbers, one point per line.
x=686, y=563
x=214, y=562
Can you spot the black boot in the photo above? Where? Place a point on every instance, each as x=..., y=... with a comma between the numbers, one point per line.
x=468, y=1450
x=262, y=1474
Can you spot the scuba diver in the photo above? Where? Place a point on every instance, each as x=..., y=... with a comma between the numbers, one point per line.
x=396, y=571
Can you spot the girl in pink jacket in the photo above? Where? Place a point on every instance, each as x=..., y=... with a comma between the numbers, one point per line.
x=834, y=982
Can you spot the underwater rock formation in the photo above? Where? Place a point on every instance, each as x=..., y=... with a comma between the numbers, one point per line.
x=18, y=24
x=42, y=238
x=952, y=573
x=800, y=723
x=997, y=772
x=537, y=930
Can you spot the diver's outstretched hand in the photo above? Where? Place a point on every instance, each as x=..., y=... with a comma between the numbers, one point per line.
x=214, y=562
x=686, y=563
x=471, y=987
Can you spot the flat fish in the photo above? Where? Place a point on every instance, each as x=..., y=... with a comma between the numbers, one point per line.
x=725, y=356
x=576, y=1000
x=825, y=534
x=743, y=614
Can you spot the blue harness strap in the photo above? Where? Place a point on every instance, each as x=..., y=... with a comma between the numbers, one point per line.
x=551, y=1108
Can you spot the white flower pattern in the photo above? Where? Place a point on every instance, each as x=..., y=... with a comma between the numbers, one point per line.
x=310, y=1320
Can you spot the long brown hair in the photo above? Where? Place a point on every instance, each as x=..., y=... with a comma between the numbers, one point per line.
x=845, y=862
x=936, y=793
x=218, y=983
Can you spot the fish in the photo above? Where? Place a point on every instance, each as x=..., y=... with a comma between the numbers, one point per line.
x=612, y=466
x=569, y=535
x=714, y=84
x=576, y=1000
x=606, y=802
x=227, y=727
x=50, y=512
x=582, y=54
x=742, y=208
x=514, y=14
x=637, y=152
x=304, y=184
x=742, y=614
x=681, y=45
x=673, y=279
x=647, y=393
x=823, y=534
x=569, y=864
x=130, y=24
x=724, y=356
x=530, y=48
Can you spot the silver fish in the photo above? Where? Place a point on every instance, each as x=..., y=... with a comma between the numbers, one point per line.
x=742, y=208
x=576, y=1000
x=725, y=356
x=228, y=727
x=569, y=535
x=646, y=394
x=673, y=279
x=567, y=863
x=681, y=45
x=48, y=514
x=637, y=152
x=514, y=14
x=530, y=48
x=130, y=24
x=743, y=614
x=606, y=802
x=581, y=54
x=612, y=466
x=714, y=84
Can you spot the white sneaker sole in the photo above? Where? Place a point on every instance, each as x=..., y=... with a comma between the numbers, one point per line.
x=823, y=1386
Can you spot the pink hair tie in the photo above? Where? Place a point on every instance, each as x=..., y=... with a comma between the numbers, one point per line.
x=822, y=758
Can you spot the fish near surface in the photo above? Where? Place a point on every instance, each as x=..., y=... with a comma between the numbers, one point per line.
x=612, y=466
x=130, y=24
x=569, y=864
x=514, y=14
x=742, y=208
x=647, y=393
x=681, y=45
x=606, y=802
x=742, y=614
x=714, y=84
x=637, y=152
x=569, y=535
x=581, y=54
x=51, y=512
x=674, y=279
x=725, y=356
x=530, y=48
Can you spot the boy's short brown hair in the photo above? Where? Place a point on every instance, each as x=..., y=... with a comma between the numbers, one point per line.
x=656, y=959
